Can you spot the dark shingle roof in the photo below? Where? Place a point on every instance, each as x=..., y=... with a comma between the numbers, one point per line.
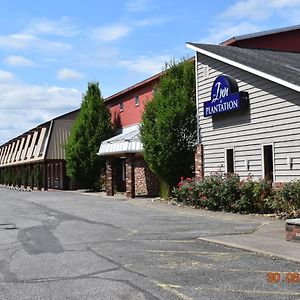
x=282, y=65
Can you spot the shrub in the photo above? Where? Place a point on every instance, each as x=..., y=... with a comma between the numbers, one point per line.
x=187, y=192
x=216, y=192
x=287, y=199
x=256, y=196
x=226, y=192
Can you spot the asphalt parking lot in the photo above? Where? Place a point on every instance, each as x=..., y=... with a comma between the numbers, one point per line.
x=65, y=245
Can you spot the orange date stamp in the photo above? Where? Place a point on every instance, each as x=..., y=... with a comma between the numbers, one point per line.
x=289, y=277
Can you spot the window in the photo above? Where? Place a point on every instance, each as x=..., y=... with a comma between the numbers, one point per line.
x=137, y=100
x=268, y=163
x=121, y=106
x=229, y=161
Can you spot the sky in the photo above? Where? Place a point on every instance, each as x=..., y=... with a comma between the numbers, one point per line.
x=50, y=50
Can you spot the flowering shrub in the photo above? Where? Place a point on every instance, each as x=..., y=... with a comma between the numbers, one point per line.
x=228, y=193
x=216, y=192
x=288, y=197
x=255, y=196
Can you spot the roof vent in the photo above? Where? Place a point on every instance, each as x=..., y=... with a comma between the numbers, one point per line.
x=205, y=71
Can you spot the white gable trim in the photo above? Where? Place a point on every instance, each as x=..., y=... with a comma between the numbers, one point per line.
x=245, y=68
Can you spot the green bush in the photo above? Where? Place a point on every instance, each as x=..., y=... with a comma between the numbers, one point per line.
x=228, y=193
x=289, y=194
x=216, y=192
x=255, y=196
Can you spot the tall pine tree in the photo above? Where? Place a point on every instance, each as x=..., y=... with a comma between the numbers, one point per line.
x=168, y=130
x=91, y=127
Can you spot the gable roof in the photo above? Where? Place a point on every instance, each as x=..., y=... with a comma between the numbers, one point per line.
x=135, y=86
x=277, y=66
x=259, y=34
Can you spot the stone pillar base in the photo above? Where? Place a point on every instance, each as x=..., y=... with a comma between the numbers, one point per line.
x=293, y=230
x=130, y=178
x=109, y=177
x=199, y=170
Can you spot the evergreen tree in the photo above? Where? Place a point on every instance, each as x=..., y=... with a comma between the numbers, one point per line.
x=168, y=129
x=91, y=127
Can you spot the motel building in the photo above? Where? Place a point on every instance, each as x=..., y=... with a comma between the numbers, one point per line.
x=248, y=106
x=41, y=147
x=126, y=170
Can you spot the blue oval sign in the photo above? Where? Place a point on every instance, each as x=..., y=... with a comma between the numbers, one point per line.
x=225, y=97
x=223, y=86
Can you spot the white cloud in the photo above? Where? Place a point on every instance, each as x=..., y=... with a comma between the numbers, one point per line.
x=25, y=106
x=257, y=10
x=30, y=37
x=151, y=21
x=25, y=41
x=6, y=76
x=137, y=5
x=61, y=27
x=69, y=74
x=148, y=65
x=248, y=9
x=118, y=31
x=15, y=41
x=248, y=16
x=229, y=30
x=110, y=33
x=18, y=61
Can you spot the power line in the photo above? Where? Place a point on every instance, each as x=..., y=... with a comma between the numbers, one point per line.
x=23, y=108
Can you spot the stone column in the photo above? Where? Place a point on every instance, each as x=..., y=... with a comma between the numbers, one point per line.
x=199, y=170
x=130, y=180
x=109, y=176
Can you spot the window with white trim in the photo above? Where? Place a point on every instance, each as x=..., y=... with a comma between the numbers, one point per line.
x=229, y=160
x=268, y=162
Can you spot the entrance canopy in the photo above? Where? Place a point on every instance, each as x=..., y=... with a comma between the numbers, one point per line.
x=128, y=141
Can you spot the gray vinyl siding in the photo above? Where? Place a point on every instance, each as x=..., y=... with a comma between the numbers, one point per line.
x=273, y=118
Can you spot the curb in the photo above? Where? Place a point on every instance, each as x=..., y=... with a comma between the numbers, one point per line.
x=255, y=250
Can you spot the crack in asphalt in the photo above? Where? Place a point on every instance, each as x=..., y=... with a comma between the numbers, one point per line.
x=61, y=216
x=121, y=266
x=147, y=294
x=40, y=239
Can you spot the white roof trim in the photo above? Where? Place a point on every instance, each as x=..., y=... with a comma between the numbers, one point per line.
x=245, y=68
x=126, y=142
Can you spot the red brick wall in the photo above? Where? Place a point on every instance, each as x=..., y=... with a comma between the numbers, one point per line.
x=132, y=113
